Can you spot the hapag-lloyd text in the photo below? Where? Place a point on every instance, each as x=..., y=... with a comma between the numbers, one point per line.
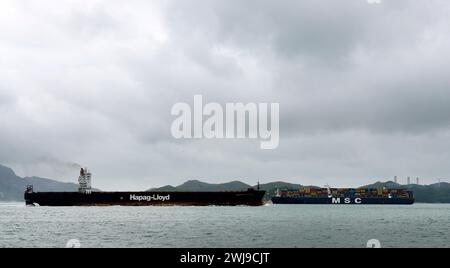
x=149, y=198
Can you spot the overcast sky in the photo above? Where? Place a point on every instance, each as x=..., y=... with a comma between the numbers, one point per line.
x=364, y=89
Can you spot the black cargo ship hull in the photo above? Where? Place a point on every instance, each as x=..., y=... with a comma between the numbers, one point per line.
x=343, y=201
x=248, y=198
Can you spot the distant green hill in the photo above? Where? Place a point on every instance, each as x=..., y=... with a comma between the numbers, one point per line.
x=198, y=186
x=433, y=193
x=272, y=187
x=12, y=186
x=387, y=184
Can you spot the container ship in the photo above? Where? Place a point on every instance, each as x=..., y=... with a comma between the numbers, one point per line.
x=86, y=197
x=361, y=196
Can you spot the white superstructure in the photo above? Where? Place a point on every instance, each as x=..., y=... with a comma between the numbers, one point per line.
x=85, y=181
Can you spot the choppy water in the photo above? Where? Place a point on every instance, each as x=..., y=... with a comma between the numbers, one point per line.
x=420, y=225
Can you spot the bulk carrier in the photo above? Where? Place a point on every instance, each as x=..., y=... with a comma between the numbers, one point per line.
x=86, y=197
x=360, y=196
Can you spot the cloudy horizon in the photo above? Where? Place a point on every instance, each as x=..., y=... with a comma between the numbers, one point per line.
x=363, y=88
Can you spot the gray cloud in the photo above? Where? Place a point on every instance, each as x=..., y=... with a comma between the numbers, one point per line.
x=363, y=88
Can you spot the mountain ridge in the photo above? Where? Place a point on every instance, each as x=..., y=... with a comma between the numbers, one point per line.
x=433, y=193
x=13, y=186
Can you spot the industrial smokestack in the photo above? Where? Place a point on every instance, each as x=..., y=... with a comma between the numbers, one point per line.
x=409, y=180
x=417, y=181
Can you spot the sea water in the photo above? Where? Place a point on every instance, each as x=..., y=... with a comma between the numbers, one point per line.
x=419, y=225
